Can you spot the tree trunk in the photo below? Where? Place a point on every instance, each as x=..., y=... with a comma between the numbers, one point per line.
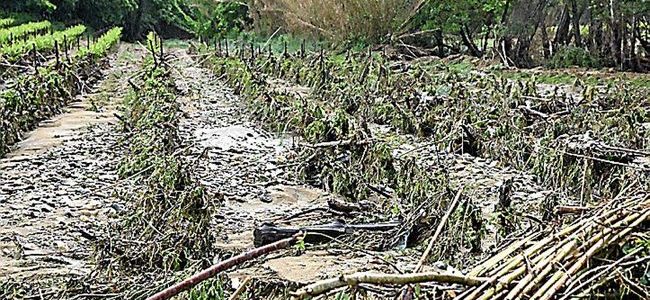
x=616, y=39
x=634, y=58
x=468, y=42
x=133, y=29
x=575, y=18
x=546, y=44
x=523, y=30
x=441, y=42
x=592, y=31
x=562, y=31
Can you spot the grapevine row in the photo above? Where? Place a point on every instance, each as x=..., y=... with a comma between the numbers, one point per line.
x=10, y=34
x=6, y=22
x=14, y=52
x=102, y=45
x=34, y=97
x=480, y=114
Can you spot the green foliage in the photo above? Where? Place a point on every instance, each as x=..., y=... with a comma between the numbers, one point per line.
x=15, y=51
x=211, y=289
x=6, y=22
x=451, y=15
x=31, y=97
x=98, y=14
x=135, y=16
x=44, y=6
x=102, y=45
x=21, y=30
x=573, y=57
x=220, y=19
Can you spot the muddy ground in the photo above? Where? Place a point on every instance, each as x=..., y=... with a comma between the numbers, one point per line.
x=57, y=187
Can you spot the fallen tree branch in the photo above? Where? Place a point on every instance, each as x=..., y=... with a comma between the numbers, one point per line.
x=355, y=279
x=222, y=266
x=441, y=225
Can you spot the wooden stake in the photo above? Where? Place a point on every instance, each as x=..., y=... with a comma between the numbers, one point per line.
x=162, y=54
x=56, y=52
x=302, y=49
x=35, y=58
x=65, y=46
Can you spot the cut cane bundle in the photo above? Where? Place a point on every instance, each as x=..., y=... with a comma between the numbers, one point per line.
x=541, y=269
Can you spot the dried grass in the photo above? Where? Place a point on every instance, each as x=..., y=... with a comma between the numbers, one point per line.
x=339, y=20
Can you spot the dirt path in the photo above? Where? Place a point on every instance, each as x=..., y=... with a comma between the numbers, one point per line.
x=55, y=187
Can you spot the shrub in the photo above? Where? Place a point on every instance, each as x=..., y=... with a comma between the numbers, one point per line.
x=573, y=56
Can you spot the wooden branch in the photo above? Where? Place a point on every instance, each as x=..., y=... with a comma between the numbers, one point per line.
x=441, y=225
x=222, y=266
x=532, y=112
x=241, y=288
x=572, y=209
x=416, y=9
x=355, y=279
x=336, y=143
x=269, y=233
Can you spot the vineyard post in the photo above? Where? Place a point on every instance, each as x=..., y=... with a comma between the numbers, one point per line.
x=285, y=49
x=88, y=41
x=78, y=42
x=56, y=53
x=35, y=58
x=252, y=52
x=162, y=55
x=65, y=47
x=11, y=38
x=322, y=66
x=302, y=49
x=227, y=54
x=152, y=48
